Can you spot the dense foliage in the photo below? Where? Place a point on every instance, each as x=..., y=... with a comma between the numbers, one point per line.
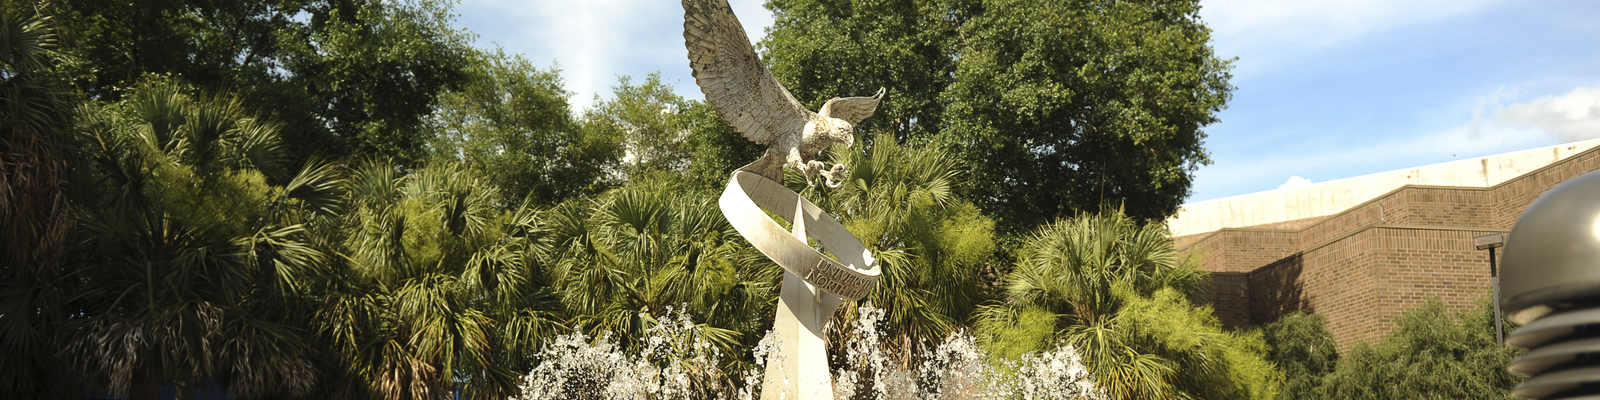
x=1121, y=295
x=344, y=77
x=34, y=210
x=512, y=122
x=1056, y=107
x=1434, y=353
x=931, y=245
x=188, y=258
x=342, y=199
x=1304, y=349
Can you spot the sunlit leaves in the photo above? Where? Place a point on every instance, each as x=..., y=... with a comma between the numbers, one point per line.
x=1055, y=107
x=1119, y=293
x=1434, y=353
x=641, y=247
x=445, y=282
x=344, y=77
x=512, y=122
x=644, y=117
x=900, y=201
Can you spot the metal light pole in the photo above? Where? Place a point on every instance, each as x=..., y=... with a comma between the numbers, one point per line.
x=1490, y=242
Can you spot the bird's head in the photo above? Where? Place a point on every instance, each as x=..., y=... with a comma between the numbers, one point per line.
x=843, y=132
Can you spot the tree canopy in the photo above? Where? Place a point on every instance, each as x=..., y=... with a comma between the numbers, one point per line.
x=344, y=199
x=188, y=258
x=1056, y=107
x=344, y=76
x=512, y=121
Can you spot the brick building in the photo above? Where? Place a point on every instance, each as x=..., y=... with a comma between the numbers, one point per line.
x=1362, y=250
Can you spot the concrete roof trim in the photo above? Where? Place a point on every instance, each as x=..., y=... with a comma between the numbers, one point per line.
x=1337, y=196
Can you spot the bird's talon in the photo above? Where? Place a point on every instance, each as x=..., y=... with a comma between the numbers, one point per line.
x=837, y=172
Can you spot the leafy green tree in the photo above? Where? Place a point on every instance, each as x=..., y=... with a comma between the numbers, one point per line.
x=1433, y=354
x=34, y=213
x=436, y=288
x=717, y=149
x=1303, y=348
x=1125, y=300
x=187, y=255
x=701, y=147
x=1064, y=105
x=900, y=202
x=512, y=122
x=826, y=49
x=1055, y=106
x=344, y=76
x=646, y=118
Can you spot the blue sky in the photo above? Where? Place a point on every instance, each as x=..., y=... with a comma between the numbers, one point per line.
x=1326, y=89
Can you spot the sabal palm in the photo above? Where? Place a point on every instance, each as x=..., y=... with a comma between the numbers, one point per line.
x=650, y=247
x=33, y=207
x=188, y=255
x=33, y=115
x=436, y=289
x=1122, y=297
x=1077, y=265
x=898, y=200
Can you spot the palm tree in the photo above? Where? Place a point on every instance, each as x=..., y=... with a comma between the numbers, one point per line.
x=1123, y=298
x=622, y=260
x=188, y=254
x=931, y=245
x=435, y=289
x=33, y=208
x=1078, y=264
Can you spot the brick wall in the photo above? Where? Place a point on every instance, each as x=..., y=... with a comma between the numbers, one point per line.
x=1513, y=196
x=1229, y=295
x=1363, y=267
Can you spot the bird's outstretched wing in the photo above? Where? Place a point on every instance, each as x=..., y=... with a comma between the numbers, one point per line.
x=732, y=77
x=852, y=109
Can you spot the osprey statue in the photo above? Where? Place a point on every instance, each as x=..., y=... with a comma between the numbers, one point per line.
x=814, y=284
x=744, y=92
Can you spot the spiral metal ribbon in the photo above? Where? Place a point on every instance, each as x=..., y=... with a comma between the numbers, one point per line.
x=851, y=277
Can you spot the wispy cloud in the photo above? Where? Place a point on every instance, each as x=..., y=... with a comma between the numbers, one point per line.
x=594, y=41
x=1570, y=117
x=1486, y=109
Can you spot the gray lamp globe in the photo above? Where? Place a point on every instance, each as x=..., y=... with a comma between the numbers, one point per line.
x=1552, y=256
x=1550, y=283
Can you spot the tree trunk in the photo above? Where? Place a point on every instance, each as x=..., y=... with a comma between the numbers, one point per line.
x=144, y=387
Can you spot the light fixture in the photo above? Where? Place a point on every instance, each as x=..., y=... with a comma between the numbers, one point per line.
x=1552, y=287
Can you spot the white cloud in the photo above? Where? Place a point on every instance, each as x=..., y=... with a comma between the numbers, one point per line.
x=1571, y=117
x=596, y=40
x=1495, y=128
x=1295, y=182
